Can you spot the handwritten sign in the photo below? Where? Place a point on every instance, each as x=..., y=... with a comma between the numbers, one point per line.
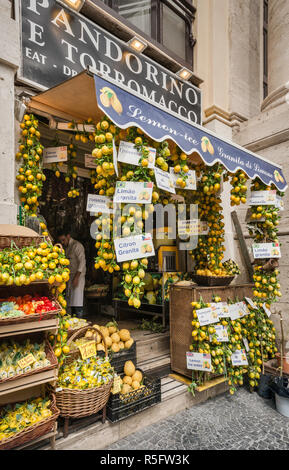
x=251, y=303
x=239, y=358
x=192, y=227
x=246, y=344
x=128, y=192
x=267, y=311
x=87, y=350
x=266, y=250
x=116, y=387
x=26, y=361
x=263, y=198
x=238, y=310
x=96, y=203
x=138, y=246
x=206, y=316
x=89, y=161
x=128, y=153
x=222, y=309
x=199, y=361
x=164, y=180
x=114, y=154
x=191, y=181
x=54, y=154
x=221, y=334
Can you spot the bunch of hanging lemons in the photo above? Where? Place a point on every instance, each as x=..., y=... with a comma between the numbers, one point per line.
x=30, y=175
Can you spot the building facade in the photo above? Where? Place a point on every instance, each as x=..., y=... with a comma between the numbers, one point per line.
x=237, y=51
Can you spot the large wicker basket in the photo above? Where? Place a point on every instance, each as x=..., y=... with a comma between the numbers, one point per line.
x=32, y=432
x=50, y=356
x=80, y=403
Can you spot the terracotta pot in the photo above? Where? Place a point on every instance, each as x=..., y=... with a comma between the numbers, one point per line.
x=285, y=362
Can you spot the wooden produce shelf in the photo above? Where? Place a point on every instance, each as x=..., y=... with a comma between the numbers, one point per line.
x=21, y=383
x=181, y=298
x=29, y=327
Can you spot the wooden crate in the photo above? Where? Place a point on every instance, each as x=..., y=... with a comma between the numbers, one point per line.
x=181, y=316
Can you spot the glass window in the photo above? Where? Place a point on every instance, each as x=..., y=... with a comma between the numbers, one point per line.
x=138, y=12
x=174, y=32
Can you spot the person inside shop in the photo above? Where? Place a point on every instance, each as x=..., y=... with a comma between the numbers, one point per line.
x=74, y=251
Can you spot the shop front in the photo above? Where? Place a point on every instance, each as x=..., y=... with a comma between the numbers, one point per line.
x=117, y=154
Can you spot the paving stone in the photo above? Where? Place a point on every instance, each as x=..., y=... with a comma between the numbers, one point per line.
x=242, y=421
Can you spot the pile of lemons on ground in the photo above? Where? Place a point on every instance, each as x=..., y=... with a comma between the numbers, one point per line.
x=19, y=417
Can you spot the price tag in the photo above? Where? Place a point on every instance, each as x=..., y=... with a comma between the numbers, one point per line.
x=239, y=358
x=246, y=344
x=250, y=302
x=26, y=361
x=116, y=388
x=267, y=311
x=114, y=157
x=263, y=198
x=55, y=154
x=266, y=250
x=87, y=350
x=221, y=334
x=208, y=315
x=236, y=310
x=199, y=361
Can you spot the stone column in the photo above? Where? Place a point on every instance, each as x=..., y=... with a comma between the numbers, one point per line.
x=278, y=53
x=9, y=62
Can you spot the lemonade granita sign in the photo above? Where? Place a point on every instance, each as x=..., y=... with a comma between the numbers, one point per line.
x=199, y=361
x=128, y=191
x=128, y=153
x=136, y=247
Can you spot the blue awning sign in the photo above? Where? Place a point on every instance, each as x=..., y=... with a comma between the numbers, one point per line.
x=126, y=110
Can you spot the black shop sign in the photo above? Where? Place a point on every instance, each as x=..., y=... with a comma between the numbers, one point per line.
x=58, y=43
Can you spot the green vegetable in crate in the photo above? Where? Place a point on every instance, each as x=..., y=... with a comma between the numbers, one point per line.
x=10, y=310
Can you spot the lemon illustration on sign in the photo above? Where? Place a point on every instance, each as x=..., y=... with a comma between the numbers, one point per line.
x=108, y=98
x=207, y=146
x=278, y=177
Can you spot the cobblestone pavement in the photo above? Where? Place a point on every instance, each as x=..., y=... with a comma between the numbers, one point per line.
x=241, y=421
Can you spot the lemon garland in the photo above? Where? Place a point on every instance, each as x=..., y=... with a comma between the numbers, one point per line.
x=209, y=253
x=239, y=188
x=256, y=328
x=30, y=175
